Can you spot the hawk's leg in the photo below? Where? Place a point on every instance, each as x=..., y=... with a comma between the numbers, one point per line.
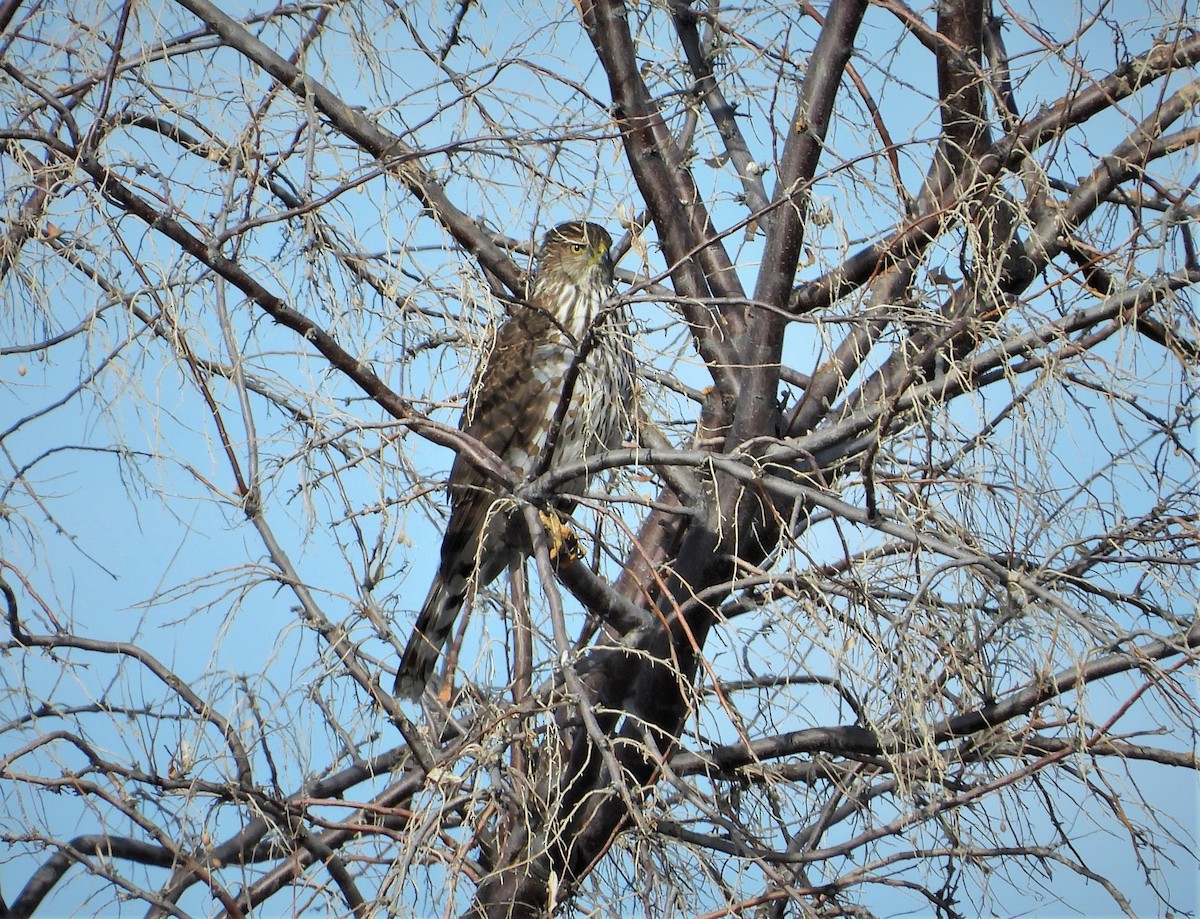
x=564, y=544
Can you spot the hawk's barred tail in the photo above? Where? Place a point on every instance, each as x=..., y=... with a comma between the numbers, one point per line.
x=429, y=634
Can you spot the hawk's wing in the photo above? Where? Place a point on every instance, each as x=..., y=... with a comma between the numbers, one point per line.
x=509, y=409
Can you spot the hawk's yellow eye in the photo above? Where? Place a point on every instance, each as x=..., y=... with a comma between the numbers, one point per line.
x=578, y=247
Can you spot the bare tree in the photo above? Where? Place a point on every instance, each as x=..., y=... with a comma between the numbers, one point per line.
x=888, y=603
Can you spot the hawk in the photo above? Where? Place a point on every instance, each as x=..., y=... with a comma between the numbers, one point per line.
x=562, y=356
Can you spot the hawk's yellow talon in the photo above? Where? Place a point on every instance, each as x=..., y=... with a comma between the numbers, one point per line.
x=564, y=544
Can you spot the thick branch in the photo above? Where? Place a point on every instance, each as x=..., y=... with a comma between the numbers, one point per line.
x=853, y=740
x=1075, y=109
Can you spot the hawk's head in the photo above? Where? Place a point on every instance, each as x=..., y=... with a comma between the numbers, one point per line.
x=576, y=254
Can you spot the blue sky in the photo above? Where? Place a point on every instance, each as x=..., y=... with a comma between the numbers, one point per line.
x=133, y=533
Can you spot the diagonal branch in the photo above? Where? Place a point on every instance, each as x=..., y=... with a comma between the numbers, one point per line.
x=380, y=143
x=698, y=263
x=1075, y=109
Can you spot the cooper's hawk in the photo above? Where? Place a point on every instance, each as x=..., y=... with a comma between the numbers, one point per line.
x=564, y=346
